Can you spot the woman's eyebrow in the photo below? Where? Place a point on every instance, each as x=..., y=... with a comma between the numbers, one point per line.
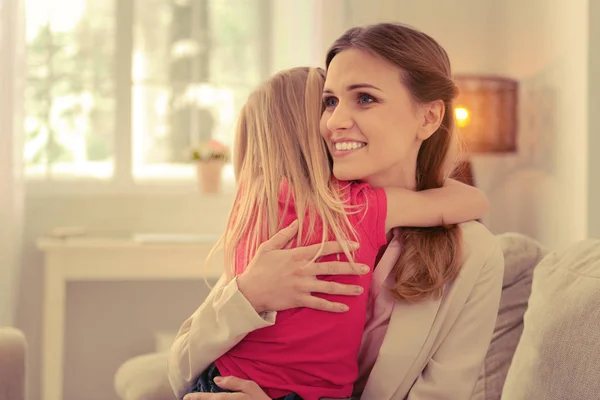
x=354, y=87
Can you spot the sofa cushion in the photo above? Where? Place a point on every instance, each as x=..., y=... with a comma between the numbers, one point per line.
x=521, y=255
x=557, y=356
x=144, y=378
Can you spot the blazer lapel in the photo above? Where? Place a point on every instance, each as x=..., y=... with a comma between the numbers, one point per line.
x=409, y=327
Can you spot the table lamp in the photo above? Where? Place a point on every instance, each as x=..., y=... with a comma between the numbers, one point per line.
x=486, y=117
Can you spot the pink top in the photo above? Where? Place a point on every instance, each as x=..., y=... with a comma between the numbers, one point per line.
x=309, y=352
x=379, y=310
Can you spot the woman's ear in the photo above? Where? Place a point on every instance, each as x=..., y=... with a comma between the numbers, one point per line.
x=433, y=113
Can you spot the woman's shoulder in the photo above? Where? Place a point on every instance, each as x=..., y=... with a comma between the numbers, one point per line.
x=482, y=254
x=477, y=239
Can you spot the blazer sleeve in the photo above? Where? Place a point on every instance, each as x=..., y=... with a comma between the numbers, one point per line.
x=455, y=366
x=221, y=322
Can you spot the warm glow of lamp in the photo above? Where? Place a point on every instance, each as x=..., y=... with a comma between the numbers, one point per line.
x=486, y=113
x=486, y=118
x=462, y=116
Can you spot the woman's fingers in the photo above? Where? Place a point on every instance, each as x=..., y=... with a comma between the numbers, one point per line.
x=279, y=279
x=281, y=238
x=216, y=396
x=335, y=268
x=329, y=287
x=318, y=303
x=322, y=249
x=243, y=390
x=240, y=385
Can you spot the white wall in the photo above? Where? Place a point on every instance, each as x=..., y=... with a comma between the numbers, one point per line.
x=294, y=20
x=304, y=30
x=594, y=121
x=543, y=43
x=467, y=29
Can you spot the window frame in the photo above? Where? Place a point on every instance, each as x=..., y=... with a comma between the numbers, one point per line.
x=122, y=181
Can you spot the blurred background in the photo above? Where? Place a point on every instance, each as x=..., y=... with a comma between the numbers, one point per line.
x=117, y=118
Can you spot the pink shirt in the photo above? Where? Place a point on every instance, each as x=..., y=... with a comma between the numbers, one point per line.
x=309, y=352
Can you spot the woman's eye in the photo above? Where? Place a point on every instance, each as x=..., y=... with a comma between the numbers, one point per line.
x=365, y=99
x=330, y=101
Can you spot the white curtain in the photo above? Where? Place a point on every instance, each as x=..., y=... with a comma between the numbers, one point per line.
x=12, y=69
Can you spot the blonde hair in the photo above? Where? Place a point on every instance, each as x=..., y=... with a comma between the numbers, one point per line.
x=278, y=141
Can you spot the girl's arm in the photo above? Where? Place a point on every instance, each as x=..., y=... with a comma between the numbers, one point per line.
x=453, y=203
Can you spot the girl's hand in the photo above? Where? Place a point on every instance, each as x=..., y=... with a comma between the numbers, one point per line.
x=244, y=390
x=278, y=279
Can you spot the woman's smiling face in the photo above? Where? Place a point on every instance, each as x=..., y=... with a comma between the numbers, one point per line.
x=370, y=123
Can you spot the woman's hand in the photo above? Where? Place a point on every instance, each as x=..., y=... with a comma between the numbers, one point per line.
x=244, y=390
x=279, y=279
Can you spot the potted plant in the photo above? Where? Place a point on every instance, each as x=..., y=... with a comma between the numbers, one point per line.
x=209, y=158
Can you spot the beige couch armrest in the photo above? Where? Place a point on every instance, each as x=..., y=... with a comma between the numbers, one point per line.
x=12, y=364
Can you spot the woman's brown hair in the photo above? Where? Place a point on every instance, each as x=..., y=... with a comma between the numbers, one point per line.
x=431, y=257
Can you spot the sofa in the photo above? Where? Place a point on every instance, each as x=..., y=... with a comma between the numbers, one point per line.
x=13, y=348
x=547, y=327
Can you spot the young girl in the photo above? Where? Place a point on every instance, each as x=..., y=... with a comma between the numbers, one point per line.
x=284, y=176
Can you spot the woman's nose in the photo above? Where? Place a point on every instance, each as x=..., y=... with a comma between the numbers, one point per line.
x=340, y=119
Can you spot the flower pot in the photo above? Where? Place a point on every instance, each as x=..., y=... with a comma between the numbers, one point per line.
x=209, y=175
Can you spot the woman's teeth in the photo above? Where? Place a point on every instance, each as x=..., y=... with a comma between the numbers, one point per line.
x=348, y=145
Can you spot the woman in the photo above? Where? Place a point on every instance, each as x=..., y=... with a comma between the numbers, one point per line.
x=302, y=356
x=435, y=292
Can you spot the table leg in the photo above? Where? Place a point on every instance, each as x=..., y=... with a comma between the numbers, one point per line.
x=53, y=333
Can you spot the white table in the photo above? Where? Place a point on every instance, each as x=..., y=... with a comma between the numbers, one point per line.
x=108, y=259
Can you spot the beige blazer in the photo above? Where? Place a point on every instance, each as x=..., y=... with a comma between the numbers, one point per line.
x=432, y=350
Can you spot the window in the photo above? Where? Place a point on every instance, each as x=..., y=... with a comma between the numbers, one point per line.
x=119, y=90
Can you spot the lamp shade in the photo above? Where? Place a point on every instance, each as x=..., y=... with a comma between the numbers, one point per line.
x=486, y=113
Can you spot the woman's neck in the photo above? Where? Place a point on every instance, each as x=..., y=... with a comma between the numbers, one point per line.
x=401, y=175
x=393, y=178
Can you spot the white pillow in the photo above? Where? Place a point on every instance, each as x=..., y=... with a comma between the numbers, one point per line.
x=558, y=356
